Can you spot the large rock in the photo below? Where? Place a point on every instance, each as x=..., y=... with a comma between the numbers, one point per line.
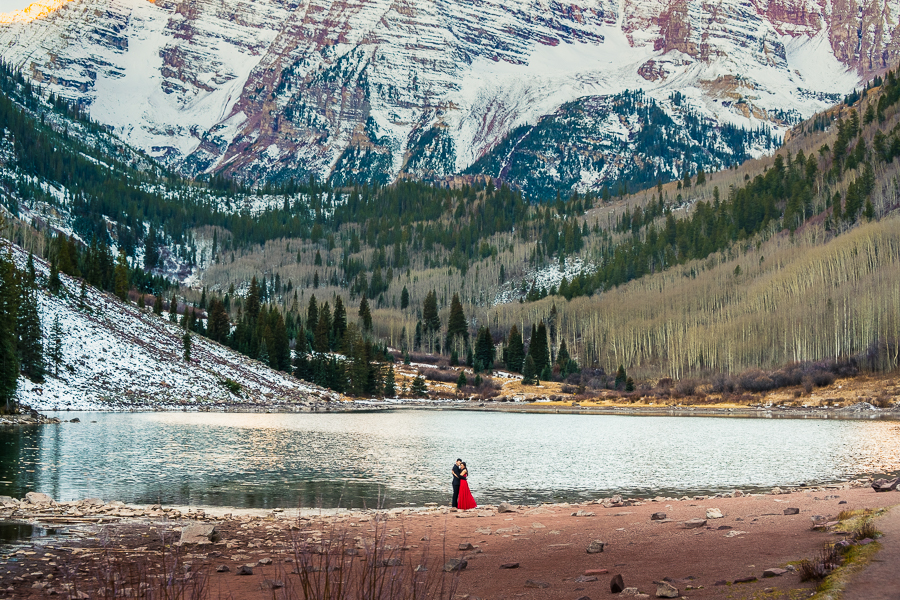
x=616, y=584
x=199, y=533
x=774, y=572
x=792, y=511
x=596, y=547
x=713, y=513
x=506, y=507
x=883, y=485
x=665, y=589
x=37, y=498
x=658, y=516
x=694, y=523
x=455, y=564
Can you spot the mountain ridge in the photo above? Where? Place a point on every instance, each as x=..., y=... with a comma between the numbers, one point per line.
x=279, y=90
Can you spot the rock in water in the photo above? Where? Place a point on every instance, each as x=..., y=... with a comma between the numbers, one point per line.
x=455, y=564
x=616, y=584
x=199, y=533
x=713, y=513
x=665, y=589
x=596, y=547
x=37, y=498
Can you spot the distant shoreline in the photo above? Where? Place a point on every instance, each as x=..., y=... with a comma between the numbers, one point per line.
x=860, y=411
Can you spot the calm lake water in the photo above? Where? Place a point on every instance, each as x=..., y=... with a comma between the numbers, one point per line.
x=402, y=457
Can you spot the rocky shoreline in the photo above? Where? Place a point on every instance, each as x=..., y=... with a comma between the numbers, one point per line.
x=696, y=544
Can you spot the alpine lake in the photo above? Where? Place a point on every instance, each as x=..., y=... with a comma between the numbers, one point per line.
x=393, y=458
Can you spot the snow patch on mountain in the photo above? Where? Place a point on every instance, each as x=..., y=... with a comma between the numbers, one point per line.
x=542, y=278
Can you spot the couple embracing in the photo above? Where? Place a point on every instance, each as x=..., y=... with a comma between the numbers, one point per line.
x=462, y=497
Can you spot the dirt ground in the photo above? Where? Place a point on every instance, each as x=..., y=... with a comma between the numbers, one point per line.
x=138, y=556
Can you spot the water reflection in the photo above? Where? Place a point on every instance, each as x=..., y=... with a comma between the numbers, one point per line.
x=402, y=457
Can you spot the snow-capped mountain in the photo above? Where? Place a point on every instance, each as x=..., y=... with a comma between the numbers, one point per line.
x=370, y=89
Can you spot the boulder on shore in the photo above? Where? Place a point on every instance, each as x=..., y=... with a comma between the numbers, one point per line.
x=37, y=498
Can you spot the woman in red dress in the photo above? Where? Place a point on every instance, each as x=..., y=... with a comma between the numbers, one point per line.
x=466, y=501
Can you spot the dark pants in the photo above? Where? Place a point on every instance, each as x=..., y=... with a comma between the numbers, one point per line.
x=455, y=493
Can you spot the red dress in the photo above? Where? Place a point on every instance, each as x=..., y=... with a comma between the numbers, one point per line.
x=465, y=500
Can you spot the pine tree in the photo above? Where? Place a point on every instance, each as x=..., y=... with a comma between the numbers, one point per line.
x=538, y=349
x=263, y=355
x=173, y=309
x=151, y=251
x=562, y=355
x=55, y=351
x=339, y=322
x=484, y=349
x=252, y=304
x=419, y=388
x=186, y=342
x=9, y=358
x=621, y=377
x=54, y=284
x=281, y=349
x=515, y=350
x=219, y=326
x=322, y=342
x=365, y=315
x=456, y=325
x=30, y=344
x=404, y=298
x=157, y=304
x=431, y=320
x=461, y=381
x=529, y=372
x=29, y=269
x=121, y=277
x=390, y=383
x=82, y=294
x=141, y=302
x=312, y=314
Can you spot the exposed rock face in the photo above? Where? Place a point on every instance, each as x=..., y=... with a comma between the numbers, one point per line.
x=369, y=89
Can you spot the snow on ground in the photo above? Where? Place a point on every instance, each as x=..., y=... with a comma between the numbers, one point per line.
x=544, y=277
x=118, y=357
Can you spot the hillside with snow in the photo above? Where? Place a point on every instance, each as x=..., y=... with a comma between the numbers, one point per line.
x=119, y=357
x=372, y=90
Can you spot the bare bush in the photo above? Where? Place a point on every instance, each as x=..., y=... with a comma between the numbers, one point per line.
x=448, y=376
x=687, y=387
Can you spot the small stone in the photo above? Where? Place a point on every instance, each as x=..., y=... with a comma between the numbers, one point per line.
x=455, y=564
x=245, y=570
x=584, y=598
x=665, y=589
x=694, y=523
x=616, y=584
x=749, y=579
x=272, y=584
x=583, y=513
x=509, y=566
x=506, y=507
x=721, y=582
x=658, y=516
x=596, y=547
x=774, y=572
x=792, y=511
x=466, y=546
x=586, y=579
x=391, y=562
x=223, y=569
x=264, y=561
x=631, y=591
x=533, y=583
x=713, y=513
x=596, y=572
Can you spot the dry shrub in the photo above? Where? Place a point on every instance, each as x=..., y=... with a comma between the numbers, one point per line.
x=447, y=376
x=336, y=567
x=664, y=384
x=866, y=530
x=687, y=387
x=818, y=568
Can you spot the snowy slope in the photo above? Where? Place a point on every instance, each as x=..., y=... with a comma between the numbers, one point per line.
x=278, y=88
x=118, y=357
